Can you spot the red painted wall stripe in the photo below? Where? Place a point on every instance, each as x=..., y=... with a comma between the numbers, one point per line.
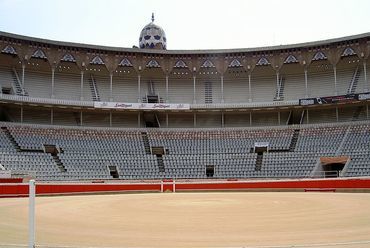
x=15, y=189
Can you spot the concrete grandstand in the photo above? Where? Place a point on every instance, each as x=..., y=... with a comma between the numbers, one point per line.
x=83, y=112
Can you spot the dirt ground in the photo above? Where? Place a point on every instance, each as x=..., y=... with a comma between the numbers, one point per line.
x=192, y=220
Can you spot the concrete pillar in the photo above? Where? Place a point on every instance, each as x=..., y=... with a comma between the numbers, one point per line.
x=82, y=86
x=366, y=85
x=23, y=71
x=222, y=89
x=194, y=93
x=52, y=81
x=277, y=85
x=305, y=82
x=249, y=87
x=167, y=100
x=111, y=87
x=335, y=80
x=110, y=118
x=139, y=88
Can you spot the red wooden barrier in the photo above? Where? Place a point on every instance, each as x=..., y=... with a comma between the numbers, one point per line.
x=16, y=189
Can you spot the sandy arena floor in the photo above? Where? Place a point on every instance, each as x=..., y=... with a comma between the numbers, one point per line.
x=192, y=220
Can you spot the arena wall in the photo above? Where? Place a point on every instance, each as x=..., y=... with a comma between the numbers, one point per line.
x=339, y=185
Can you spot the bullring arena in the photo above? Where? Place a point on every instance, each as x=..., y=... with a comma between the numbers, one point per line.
x=149, y=147
x=232, y=219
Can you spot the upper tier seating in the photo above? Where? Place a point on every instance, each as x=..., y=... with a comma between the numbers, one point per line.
x=67, y=85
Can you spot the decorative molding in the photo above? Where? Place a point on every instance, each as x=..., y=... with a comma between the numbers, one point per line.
x=153, y=64
x=207, y=64
x=9, y=50
x=68, y=58
x=125, y=62
x=235, y=63
x=291, y=59
x=39, y=54
x=319, y=56
x=180, y=64
x=97, y=61
x=348, y=52
x=263, y=61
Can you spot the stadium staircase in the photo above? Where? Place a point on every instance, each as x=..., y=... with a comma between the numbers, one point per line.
x=341, y=145
x=47, y=149
x=294, y=140
x=279, y=93
x=259, y=159
x=160, y=163
x=144, y=136
x=208, y=92
x=19, y=90
x=11, y=139
x=94, y=89
x=59, y=163
x=354, y=81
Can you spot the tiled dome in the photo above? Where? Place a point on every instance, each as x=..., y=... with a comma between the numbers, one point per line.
x=152, y=36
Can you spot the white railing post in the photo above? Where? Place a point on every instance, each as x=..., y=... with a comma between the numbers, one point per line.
x=31, y=213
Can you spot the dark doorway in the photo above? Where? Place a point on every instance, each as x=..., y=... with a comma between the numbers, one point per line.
x=333, y=170
x=210, y=171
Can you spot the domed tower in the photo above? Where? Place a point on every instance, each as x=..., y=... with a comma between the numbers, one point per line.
x=152, y=36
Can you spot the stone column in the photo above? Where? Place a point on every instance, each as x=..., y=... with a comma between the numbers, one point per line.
x=335, y=80
x=82, y=86
x=23, y=71
x=277, y=86
x=305, y=82
x=166, y=88
x=21, y=114
x=111, y=86
x=222, y=89
x=194, y=92
x=366, y=88
x=139, y=88
x=52, y=81
x=110, y=118
x=222, y=119
x=249, y=87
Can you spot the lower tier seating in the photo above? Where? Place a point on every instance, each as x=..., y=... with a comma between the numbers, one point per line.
x=90, y=153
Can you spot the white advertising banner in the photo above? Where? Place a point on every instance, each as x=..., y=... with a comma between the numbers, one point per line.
x=142, y=106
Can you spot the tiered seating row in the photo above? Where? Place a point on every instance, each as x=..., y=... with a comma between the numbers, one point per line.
x=87, y=153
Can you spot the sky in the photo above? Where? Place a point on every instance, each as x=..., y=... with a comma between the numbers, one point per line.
x=189, y=24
